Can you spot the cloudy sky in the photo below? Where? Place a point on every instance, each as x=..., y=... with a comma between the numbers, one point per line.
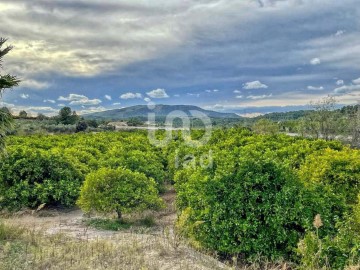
x=247, y=56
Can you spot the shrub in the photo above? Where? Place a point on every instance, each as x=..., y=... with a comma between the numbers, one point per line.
x=337, y=171
x=30, y=177
x=119, y=190
x=145, y=162
x=257, y=208
x=81, y=126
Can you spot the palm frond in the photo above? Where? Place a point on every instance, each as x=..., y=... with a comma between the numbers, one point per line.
x=8, y=81
x=6, y=124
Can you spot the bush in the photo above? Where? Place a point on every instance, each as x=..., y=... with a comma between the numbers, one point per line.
x=145, y=162
x=120, y=190
x=258, y=207
x=250, y=211
x=81, y=126
x=337, y=171
x=30, y=177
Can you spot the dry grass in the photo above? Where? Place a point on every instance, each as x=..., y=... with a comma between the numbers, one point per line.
x=32, y=249
x=62, y=240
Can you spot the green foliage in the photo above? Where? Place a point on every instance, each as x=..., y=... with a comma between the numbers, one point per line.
x=331, y=252
x=7, y=81
x=6, y=124
x=92, y=123
x=242, y=194
x=67, y=117
x=120, y=224
x=108, y=224
x=37, y=165
x=23, y=114
x=81, y=126
x=135, y=122
x=136, y=160
x=30, y=177
x=265, y=126
x=337, y=171
x=251, y=200
x=120, y=190
x=256, y=207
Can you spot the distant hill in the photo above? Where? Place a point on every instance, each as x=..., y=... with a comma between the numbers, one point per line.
x=295, y=115
x=161, y=111
x=284, y=116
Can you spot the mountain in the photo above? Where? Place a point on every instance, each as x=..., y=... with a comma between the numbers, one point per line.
x=161, y=111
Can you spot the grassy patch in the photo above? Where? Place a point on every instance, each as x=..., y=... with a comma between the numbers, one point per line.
x=117, y=225
x=9, y=232
x=108, y=224
x=147, y=222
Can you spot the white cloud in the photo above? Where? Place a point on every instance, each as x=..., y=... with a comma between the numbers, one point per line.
x=86, y=102
x=49, y=101
x=356, y=81
x=210, y=91
x=254, y=85
x=72, y=97
x=32, y=110
x=339, y=82
x=315, y=61
x=147, y=99
x=130, y=95
x=259, y=96
x=239, y=96
x=108, y=97
x=176, y=95
x=92, y=110
x=33, y=84
x=310, y=87
x=251, y=115
x=237, y=91
x=116, y=103
x=193, y=94
x=339, y=33
x=24, y=96
x=76, y=99
x=158, y=93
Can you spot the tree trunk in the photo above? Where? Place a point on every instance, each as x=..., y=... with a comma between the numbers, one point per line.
x=119, y=214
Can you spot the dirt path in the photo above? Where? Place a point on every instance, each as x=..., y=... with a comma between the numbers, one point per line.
x=159, y=243
x=72, y=221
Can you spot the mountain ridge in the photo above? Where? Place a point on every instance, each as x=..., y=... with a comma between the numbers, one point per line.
x=161, y=111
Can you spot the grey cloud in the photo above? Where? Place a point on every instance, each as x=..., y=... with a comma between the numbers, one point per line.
x=345, y=89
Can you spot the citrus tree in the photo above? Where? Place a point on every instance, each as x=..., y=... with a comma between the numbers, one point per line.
x=118, y=190
x=30, y=177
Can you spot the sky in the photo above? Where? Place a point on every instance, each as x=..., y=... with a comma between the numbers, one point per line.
x=245, y=56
